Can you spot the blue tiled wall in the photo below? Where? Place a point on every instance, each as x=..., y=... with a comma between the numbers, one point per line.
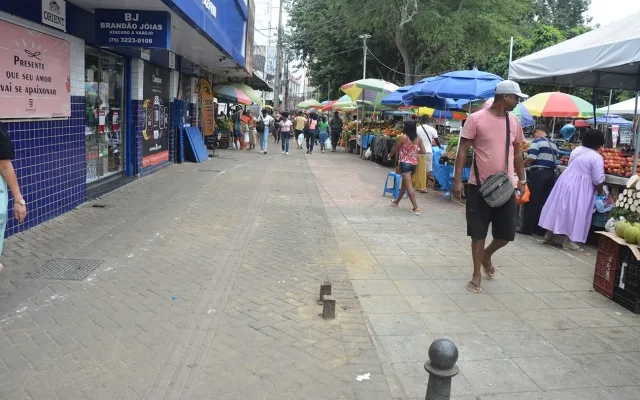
x=50, y=164
x=136, y=119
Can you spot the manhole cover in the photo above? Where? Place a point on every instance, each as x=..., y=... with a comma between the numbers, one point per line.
x=65, y=269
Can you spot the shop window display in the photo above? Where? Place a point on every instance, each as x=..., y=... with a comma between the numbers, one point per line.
x=104, y=133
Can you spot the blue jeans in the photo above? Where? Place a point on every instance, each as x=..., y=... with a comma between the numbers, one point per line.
x=285, y=140
x=264, y=139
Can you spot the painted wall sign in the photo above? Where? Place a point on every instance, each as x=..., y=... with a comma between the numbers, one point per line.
x=206, y=102
x=54, y=13
x=155, y=131
x=133, y=28
x=34, y=74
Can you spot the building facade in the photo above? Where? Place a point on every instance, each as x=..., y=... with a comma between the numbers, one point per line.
x=92, y=91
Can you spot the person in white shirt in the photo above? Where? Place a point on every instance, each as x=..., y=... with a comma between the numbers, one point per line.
x=425, y=163
x=264, y=122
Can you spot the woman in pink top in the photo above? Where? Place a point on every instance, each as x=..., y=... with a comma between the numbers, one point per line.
x=408, y=147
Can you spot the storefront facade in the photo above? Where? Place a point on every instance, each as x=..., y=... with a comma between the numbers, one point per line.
x=84, y=115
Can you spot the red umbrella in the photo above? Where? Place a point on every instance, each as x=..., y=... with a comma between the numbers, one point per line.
x=329, y=105
x=580, y=123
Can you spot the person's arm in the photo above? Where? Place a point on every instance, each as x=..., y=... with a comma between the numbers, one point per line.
x=397, y=146
x=533, y=154
x=518, y=160
x=9, y=175
x=597, y=175
x=423, y=150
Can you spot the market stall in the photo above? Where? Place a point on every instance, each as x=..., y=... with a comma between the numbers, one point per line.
x=607, y=58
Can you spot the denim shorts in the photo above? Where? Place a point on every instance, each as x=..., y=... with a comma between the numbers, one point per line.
x=407, y=168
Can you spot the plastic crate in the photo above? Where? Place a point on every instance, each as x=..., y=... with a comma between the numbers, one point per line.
x=600, y=219
x=627, y=285
x=607, y=263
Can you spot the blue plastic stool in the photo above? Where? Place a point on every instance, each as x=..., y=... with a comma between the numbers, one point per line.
x=395, y=190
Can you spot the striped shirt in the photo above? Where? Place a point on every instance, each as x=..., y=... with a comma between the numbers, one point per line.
x=543, y=152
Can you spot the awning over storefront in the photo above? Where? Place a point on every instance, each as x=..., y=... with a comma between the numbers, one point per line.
x=607, y=57
x=258, y=83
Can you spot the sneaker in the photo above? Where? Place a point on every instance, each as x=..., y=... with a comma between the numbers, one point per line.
x=283, y=153
x=322, y=151
x=287, y=153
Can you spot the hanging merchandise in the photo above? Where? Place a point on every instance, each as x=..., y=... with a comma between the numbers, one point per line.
x=206, y=102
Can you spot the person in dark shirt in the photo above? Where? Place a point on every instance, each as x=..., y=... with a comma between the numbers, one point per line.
x=541, y=176
x=8, y=179
x=335, y=127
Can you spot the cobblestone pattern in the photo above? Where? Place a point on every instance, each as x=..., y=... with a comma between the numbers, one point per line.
x=208, y=290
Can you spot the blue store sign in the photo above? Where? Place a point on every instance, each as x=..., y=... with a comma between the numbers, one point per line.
x=133, y=28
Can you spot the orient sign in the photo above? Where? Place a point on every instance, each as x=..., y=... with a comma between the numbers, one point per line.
x=54, y=13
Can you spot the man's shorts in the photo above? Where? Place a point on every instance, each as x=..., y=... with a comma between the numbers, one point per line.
x=238, y=133
x=479, y=215
x=407, y=168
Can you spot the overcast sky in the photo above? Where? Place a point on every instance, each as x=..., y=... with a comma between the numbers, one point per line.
x=607, y=11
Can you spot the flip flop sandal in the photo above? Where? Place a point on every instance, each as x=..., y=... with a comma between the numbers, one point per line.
x=414, y=212
x=489, y=271
x=394, y=204
x=473, y=287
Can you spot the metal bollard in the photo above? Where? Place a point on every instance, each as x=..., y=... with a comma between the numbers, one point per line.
x=443, y=355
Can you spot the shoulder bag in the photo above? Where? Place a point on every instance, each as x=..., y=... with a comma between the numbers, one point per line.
x=497, y=189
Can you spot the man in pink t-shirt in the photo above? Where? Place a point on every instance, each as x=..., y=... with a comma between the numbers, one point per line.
x=486, y=131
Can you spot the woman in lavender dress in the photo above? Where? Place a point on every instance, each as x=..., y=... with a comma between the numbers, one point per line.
x=569, y=209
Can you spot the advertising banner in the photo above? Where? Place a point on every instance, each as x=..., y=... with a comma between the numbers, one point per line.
x=34, y=74
x=155, y=103
x=206, y=102
x=133, y=28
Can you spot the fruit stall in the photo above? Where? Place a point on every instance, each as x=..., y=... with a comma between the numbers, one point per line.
x=618, y=164
x=617, y=270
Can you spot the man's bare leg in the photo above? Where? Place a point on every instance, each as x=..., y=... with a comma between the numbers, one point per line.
x=495, y=245
x=477, y=253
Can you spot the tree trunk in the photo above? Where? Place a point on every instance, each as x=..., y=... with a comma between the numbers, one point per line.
x=406, y=57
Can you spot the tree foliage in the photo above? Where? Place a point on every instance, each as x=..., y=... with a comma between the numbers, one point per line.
x=411, y=39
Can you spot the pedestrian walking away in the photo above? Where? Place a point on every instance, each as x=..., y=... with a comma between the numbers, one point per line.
x=428, y=134
x=323, y=131
x=253, y=132
x=300, y=122
x=310, y=133
x=276, y=131
x=408, y=147
x=286, y=127
x=541, y=163
x=264, y=125
x=496, y=136
x=569, y=208
x=335, y=127
x=238, y=134
x=8, y=179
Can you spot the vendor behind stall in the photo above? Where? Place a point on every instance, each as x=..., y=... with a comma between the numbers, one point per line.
x=541, y=166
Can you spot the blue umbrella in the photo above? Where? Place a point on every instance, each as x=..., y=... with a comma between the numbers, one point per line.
x=394, y=99
x=611, y=119
x=413, y=98
x=468, y=84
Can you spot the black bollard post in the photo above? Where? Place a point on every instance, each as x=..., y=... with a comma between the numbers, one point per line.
x=443, y=355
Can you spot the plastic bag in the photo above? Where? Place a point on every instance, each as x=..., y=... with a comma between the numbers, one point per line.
x=610, y=226
x=368, y=153
x=605, y=203
x=523, y=198
x=327, y=144
x=300, y=140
